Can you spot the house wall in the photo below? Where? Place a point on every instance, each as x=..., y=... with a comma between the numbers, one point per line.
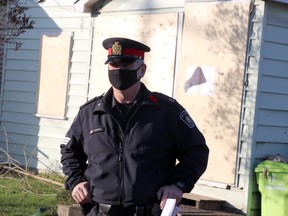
x=155, y=23
x=28, y=139
x=29, y=135
x=1, y=46
x=271, y=135
x=1, y=60
x=265, y=113
x=245, y=161
x=215, y=102
x=34, y=141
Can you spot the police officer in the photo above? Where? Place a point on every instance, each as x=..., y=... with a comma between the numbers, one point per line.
x=130, y=149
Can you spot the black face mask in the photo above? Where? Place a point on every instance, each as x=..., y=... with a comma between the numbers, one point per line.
x=122, y=79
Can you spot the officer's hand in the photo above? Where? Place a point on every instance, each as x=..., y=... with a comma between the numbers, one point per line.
x=169, y=191
x=81, y=194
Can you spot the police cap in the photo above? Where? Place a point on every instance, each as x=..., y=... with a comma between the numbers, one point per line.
x=124, y=49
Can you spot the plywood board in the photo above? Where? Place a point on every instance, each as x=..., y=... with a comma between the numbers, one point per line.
x=53, y=76
x=158, y=31
x=209, y=82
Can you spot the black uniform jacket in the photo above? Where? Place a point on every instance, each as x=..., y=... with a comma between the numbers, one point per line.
x=127, y=165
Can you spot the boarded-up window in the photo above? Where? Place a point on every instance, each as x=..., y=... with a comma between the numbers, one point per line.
x=53, y=76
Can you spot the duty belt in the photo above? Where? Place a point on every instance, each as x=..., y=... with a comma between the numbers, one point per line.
x=138, y=210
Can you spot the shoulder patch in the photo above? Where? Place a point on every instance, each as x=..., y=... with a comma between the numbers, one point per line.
x=91, y=101
x=164, y=97
x=185, y=117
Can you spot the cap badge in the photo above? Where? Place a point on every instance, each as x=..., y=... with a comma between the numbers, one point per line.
x=116, y=48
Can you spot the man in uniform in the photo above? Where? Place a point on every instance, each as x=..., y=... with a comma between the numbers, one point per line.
x=120, y=152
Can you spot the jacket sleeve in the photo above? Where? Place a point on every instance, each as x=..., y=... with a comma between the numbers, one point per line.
x=73, y=157
x=192, y=151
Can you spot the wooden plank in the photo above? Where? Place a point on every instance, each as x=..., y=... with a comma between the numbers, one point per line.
x=159, y=31
x=53, y=81
x=210, y=43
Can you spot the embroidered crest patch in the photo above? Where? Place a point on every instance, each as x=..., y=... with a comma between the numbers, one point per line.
x=184, y=116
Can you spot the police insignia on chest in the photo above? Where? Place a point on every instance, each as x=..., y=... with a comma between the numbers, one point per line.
x=116, y=48
x=184, y=116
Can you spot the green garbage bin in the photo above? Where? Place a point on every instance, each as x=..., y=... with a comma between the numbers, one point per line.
x=272, y=180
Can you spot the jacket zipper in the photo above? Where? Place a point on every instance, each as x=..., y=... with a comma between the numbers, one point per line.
x=120, y=161
x=120, y=170
x=120, y=157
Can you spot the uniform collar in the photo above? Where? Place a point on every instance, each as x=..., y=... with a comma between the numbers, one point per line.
x=144, y=97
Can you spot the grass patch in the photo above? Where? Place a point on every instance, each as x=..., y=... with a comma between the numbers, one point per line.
x=22, y=195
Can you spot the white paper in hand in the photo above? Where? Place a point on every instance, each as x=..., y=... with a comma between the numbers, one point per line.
x=170, y=208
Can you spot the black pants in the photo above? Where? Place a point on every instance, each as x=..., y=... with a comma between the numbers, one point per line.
x=107, y=210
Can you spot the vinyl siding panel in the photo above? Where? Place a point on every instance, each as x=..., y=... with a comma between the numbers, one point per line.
x=275, y=68
x=13, y=106
x=19, y=97
x=269, y=133
x=273, y=101
x=272, y=121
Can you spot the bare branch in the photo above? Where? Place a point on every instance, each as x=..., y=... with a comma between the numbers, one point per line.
x=14, y=21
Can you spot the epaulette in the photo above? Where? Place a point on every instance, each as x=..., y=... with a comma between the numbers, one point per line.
x=165, y=98
x=91, y=101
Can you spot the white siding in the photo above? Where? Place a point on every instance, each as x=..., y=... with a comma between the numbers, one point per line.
x=245, y=164
x=37, y=139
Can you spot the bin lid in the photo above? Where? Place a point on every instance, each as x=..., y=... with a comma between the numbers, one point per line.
x=272, y=166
